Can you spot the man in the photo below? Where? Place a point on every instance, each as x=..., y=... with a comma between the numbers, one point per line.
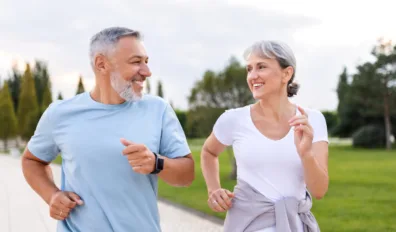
x=114, y=143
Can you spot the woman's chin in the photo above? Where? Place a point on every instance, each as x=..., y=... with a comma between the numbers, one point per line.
x=258, y=96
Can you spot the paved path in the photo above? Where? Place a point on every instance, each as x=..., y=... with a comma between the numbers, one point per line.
x=21, y=210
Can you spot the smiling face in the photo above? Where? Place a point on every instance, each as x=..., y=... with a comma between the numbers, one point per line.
x=129, y=68
x=266, y=77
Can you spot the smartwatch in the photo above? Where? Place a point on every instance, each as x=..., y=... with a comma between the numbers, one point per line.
x=159, y=164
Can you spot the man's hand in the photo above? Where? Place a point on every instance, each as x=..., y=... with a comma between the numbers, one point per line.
x=139, y=156
x=62, y=203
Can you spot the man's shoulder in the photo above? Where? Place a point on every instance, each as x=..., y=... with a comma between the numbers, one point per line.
x=152, y=101
x=58, y=106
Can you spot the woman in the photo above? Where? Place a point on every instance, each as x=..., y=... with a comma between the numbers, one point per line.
x=280, y=149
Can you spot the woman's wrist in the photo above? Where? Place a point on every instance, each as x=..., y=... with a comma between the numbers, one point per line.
x=212, y=190
x=308, y=157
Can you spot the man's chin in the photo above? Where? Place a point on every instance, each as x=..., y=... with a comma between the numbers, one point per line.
x=132, y=97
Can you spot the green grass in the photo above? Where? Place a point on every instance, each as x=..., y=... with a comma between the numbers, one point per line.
x=361, y=194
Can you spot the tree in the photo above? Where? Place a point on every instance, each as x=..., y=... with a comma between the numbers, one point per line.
x=386, y=72
x=41, y=80
x=14, y=84
x=8, y=121
x=80, y=87
x=47, y=99
x=331, y=120
x=226, y=89
x=60, y=97
x=148, y=87
x=371, y=94
x=28, y=107
x=215, y=93
x=347, y=110
x=159, y=89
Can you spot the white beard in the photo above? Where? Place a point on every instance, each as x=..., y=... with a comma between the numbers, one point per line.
x=123, y=88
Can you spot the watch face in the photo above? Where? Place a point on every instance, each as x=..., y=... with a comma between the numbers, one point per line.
x=160, y=164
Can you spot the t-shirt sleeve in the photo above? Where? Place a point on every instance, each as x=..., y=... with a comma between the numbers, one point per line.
x=42, y=144
x=318, y=123
x=223, y=128
x=173, y=140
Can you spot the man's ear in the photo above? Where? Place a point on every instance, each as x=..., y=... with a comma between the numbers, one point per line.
x=100, y=63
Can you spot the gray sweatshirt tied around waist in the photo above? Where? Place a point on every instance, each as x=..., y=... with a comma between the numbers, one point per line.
x=252, y=211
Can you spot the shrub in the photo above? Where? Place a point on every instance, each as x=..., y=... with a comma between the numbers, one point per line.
x=369, y=136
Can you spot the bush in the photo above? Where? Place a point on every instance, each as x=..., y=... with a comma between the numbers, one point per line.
x=370, y=136
x=182, y=116
x=331, y=120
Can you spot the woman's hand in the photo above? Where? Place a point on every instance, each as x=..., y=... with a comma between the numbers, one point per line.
x=303, y=133
x=220, y=200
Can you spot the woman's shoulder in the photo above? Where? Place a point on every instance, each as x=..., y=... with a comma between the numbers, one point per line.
x=312, y=112
x=315, y=117
x=235, y=112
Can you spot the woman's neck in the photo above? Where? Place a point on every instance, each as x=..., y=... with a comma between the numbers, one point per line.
x=276, y=108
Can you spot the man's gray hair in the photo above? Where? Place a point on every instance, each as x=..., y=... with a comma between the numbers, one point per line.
x=279, y=51
x=106, y=40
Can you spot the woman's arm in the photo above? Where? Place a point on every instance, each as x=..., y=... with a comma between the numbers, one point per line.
x=315, y=165
x=219, y=199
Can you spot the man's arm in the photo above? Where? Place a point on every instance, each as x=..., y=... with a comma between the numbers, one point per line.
x=39, y=176
x=178, y=171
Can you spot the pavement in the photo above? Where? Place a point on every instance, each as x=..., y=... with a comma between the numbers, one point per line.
x=22, y=210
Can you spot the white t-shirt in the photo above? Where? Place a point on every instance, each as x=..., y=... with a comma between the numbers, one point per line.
x=273, y=167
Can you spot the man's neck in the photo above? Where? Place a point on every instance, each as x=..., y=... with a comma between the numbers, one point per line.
x=105, y=94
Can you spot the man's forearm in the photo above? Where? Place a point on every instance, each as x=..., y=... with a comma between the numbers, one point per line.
x=39, y=177
x=179, y=171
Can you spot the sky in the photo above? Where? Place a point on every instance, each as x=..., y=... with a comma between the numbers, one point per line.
x=185, y=38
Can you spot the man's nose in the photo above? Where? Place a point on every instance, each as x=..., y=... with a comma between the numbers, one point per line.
x=145, y=70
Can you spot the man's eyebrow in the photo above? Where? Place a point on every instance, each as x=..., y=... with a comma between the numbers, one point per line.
x=138, y=57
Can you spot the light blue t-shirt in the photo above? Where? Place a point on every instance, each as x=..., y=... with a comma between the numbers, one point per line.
x=87, y=134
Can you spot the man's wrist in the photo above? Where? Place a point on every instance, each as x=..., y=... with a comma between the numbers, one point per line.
x=158, y=164
x=51, y=194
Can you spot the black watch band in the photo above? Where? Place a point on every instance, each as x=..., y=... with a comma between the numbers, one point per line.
x=159, y=164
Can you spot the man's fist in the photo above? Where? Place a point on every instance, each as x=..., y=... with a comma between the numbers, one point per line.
x=62, y=203
x=139, y=156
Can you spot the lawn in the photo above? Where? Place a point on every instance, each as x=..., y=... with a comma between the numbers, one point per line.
x=361, y=194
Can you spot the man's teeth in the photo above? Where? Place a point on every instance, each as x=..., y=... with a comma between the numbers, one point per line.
x=140, y=83
x=257, y=85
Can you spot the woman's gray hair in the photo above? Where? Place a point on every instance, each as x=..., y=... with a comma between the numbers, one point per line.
x=106, y=40
x=279, y=51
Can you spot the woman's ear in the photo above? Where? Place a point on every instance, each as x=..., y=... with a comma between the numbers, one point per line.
x=287, y=74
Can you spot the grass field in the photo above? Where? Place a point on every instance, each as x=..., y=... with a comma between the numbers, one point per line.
x=361, y=196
